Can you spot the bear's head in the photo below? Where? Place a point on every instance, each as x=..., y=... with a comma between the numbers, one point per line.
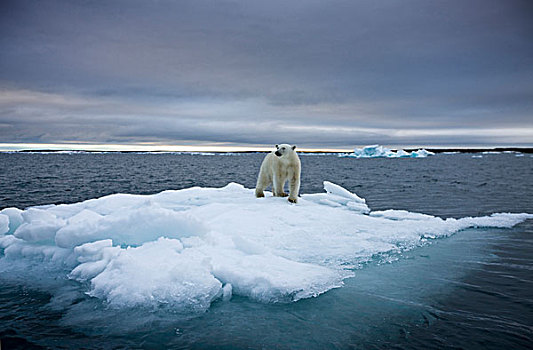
x=284, y=150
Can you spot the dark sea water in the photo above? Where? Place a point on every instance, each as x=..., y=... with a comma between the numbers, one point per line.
x=473, y=290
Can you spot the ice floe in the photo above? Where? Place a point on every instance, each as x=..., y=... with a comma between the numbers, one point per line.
x=187, y=248
x=377, y=151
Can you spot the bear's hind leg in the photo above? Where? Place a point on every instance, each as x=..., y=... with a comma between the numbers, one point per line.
x=262, y=183
x=259, y=188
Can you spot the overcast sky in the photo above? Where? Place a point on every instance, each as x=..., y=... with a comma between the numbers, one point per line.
x=326, y=74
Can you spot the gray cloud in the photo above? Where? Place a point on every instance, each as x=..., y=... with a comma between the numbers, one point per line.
x=316, y=73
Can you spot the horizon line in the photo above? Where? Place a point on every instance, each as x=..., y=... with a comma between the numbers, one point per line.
x=17, y=147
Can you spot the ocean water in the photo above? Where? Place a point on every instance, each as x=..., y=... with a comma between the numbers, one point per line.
x=471, y=290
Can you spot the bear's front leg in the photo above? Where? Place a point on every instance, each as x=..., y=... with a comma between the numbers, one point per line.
x=277, y=186
x=294, y=189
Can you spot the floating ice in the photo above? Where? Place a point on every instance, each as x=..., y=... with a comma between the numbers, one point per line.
x=4, y=224
x=377, y=151
x=184, y=249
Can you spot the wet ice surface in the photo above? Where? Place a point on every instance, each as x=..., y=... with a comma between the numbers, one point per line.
x=179, y=249
x=441, y=284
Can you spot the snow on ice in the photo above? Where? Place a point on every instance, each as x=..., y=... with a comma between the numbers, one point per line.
x=377, y=151
x=186, y=248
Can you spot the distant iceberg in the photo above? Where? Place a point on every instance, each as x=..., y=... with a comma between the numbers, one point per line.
x=377, y=151
x=184, y=249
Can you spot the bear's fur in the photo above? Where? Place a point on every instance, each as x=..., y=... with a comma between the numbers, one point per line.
x=279, y=166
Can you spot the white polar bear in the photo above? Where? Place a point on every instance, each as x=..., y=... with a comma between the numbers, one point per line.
x=278, y=167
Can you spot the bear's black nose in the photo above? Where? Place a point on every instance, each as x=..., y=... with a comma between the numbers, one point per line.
x=277, y=153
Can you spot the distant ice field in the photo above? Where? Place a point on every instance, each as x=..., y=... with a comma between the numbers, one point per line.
x=377, y=151
x=175, y=243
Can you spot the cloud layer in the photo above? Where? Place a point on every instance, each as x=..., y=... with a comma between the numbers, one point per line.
x=319, y=74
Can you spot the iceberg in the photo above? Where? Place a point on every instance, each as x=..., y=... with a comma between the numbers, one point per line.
x=185, y=249
x=377, y=151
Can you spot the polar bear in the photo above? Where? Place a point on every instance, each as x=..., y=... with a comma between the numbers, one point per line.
x=278, y=167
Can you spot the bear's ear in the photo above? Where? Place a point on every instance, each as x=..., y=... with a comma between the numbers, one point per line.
x=293, y=148
x=277, y=146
